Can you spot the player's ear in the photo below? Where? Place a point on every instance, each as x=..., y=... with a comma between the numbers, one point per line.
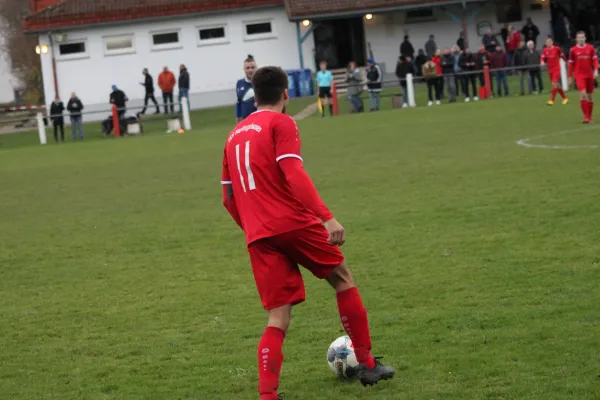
x=286, y=95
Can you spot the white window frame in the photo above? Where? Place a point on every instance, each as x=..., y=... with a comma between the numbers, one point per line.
x=167, y=46
x=260, y=36
x=210, y=42
x=116, y=52
x=76, y=56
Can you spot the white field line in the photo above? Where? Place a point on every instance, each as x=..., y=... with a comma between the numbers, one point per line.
x=525, y=142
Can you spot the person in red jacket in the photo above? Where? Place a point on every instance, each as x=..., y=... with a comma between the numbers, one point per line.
x=513, y=39
x=499, y=63
x=166, y=83
x=551, y=56
x=583, y=66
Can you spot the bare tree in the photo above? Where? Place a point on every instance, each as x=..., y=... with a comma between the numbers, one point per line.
x=19, y=49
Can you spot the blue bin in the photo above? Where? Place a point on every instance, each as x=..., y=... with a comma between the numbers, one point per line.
x=305, y=82
x=292, y=82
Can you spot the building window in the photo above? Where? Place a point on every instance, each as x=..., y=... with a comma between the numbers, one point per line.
x=68, y=49
x=508, y=11
x=421, y=15
x=122, y=44
x=208, y=35
x=165, y=40
x=72, y=50
x=257, y=30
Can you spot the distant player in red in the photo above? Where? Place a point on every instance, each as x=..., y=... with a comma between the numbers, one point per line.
x=551, y=56
x=583, y=66
x=271, y=197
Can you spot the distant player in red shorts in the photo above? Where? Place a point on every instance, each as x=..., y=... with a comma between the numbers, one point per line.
x=583, y=65
x=271, y=197
x=551, y=56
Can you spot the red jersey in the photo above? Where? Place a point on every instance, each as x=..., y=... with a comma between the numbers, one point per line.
x=583, y=61
x=552, y=56
x=265, y=201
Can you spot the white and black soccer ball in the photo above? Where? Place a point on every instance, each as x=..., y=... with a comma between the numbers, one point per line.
x=341, y=358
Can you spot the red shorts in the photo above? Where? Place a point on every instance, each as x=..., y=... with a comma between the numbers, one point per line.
x=554, y=76
x=585, y=84
x=275, y=264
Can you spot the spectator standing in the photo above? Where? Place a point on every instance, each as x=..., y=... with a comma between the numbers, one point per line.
x=166, y=82
x=245, y=92
x=374, y=78
x=421, y=59
x=75, y=106
x=499, y=60
x=430, y=47
x=468, y=66
x=148, y=85
x=519, y=62
x=533, y=59
x=456, y=52
x=482, y=60
x=431, y=75
x=447, y=63
x=58, y=121
x=355, y=82
x=184, y=86
x=513, y=39
x=324, y=80
x=403, y=68
x=118, y=98
x=407, y=49
x=461, y=42
x=530, y=32
x=489, y=41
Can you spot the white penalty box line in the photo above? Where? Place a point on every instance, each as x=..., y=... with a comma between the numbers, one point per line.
x=526, y=141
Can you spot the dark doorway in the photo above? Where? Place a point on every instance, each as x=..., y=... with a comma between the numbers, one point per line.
x=582, y=15
x=339, y=41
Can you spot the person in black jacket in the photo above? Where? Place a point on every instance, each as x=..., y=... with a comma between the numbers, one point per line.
x=447, y=62
x=149, y=86
x=519, y=61
x=119, y=98
x=374, y=78
x=75, y=106
x=407, y=49
x=184, y=86
x=468, y=66
x=58, y=121
x=404, y=68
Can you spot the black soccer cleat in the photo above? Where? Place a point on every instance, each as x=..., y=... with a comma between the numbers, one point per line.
x=281, y=396
x=379, y=373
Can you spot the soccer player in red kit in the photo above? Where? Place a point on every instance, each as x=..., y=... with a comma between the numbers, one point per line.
x=271, y=197
x=583, y=65
x=552, y=55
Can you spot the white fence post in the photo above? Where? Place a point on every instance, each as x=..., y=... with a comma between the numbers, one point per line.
x=564, y=78
x=410, y=87
x=187, y=123
x=41, y=127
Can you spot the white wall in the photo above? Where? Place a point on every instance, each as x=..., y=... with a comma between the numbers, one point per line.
x=7, y=81
x=213, y=69
x=385, y=32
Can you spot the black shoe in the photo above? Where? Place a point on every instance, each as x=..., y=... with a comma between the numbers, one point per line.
x=281, y=396
x=379, y=373
x=157, y=112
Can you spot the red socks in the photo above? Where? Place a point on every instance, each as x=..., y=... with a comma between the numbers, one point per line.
x=270, y=358
x=562, y=93
x=588, y=109
x=554, y=91
x=355, y=322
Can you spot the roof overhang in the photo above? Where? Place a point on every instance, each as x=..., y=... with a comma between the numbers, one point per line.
x=407, y=6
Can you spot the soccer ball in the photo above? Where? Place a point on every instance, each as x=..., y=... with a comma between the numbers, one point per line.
x=341, y=358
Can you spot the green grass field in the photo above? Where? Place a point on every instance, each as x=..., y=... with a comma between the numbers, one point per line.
x=122, y=276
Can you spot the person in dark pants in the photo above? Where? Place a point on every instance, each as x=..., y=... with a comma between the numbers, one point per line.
x=166, y=82
x=149, y=86
x=58, y=121
x=482, y=59
x=403, y=68
x=499, y=62
x=184, y=86
x=468, y=66
x=119, y=98
x=75, y=106
x=533, y=59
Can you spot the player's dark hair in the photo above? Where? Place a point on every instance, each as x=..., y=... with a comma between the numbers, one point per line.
x=580, y=33
x=250, y=58
x=269, y=83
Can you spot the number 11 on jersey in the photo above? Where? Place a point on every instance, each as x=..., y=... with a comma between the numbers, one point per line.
x=251, y=184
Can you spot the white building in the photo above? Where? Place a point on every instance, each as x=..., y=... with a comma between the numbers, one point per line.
x=94, y=48
x=8, y=83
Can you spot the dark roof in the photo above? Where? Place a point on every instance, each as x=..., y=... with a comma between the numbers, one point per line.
x=300, y=9
x=85, y=12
